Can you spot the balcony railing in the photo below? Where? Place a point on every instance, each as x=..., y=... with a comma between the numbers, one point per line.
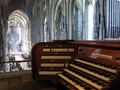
x=12, y=66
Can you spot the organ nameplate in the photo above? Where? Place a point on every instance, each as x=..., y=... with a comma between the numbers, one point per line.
x=51, y=65
x=49, y=72
x=101, y=56
x=58, y=50
x=55, y=57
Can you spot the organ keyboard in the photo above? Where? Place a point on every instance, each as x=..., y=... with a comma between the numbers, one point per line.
x=79, y=65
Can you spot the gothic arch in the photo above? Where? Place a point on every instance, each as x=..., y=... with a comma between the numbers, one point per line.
x=60, y=21
x=18, y=33
x=56, y=10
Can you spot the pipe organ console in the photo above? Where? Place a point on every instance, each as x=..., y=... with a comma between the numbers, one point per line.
x=78, y=65
x=50, y=58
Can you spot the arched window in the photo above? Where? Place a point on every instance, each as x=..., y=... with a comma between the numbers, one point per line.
x=18, y=41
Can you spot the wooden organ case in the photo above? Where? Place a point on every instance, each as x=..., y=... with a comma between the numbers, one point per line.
x=79, y=65
x=50, y=58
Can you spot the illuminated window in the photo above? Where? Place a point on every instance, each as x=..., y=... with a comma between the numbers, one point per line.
x=18, y=43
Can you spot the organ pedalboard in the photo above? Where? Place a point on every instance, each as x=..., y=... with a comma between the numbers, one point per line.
x=79, y=65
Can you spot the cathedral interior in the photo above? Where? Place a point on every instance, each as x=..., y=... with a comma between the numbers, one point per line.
x=24, y=23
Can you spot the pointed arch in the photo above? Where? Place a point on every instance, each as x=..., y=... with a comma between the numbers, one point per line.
x=60, y=20
x=18, y=33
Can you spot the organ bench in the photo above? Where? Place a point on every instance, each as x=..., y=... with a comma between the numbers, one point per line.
x=78, y=65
